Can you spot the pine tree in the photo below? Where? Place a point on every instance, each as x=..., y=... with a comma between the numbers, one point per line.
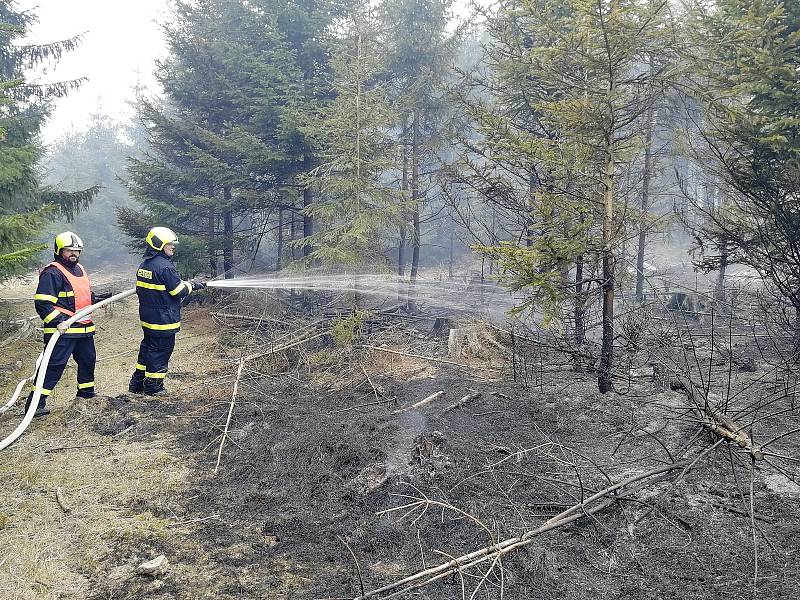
x=577, y=73
x=26, y=205
x=95, y=156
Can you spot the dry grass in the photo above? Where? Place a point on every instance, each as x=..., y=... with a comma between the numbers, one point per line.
x=44, y=552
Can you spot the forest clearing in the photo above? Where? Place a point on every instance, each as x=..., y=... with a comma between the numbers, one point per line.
x=362, y=449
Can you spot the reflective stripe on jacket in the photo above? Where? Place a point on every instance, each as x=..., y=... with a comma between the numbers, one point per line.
x=160, y=291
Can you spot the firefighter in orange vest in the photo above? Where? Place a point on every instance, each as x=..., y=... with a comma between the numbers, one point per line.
x=63, y=290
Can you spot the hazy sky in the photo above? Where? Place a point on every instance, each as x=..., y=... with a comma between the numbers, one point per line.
x=122, y=40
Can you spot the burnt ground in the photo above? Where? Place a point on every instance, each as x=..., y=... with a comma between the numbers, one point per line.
x=315, y=456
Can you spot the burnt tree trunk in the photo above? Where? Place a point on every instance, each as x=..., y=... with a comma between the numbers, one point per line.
x=719, y=287
x=308, y=220
x=646, y=176
x=530, y=232
x=415, y=200
x=279, y=251
x=227, y=236
x=607, y=346
x=293, y=251
x=212, y=238
x=580, y=303
x=450, y=264
x=401, y=249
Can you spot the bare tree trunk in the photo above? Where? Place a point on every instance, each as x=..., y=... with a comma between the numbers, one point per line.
x=607, y=347
x=415, y=198
x=531, y=203
x=227, y=239
x=450, y=265
x=580, y=303
x=279, y=252
x=308, y=220
x=719, y=288
x=212, y=235
x=494, y=237
x=401, y=250
x=646, y=176
x=796, y=329
x=294, y=253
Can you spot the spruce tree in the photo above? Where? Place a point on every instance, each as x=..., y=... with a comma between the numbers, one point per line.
x=358, y=206
x=25, y=204
x=744, y=64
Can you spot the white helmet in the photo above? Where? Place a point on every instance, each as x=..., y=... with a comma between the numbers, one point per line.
x=66, y=241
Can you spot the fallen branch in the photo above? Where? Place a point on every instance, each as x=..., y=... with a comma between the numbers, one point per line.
x=61, y=502
x=591, y=505
x=422, y=402
x=230, y=413
x=372, y=385
x=235, y=317
x=59, y=448
x=286, y=347
x=465, y=400
x=193, y=521
x=718, y=422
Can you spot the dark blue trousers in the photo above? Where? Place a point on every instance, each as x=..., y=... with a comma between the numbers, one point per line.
x=83, y=351
x=151, y=366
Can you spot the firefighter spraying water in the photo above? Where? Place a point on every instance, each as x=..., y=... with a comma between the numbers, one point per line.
x=65, y=301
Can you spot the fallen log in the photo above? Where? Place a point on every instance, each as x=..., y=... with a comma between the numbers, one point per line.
x=422, y=402
x=464, y=401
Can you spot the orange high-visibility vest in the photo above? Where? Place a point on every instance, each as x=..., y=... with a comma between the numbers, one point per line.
x=82, y=288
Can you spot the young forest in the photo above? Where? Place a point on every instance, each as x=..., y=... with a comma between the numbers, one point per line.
x=503, y=302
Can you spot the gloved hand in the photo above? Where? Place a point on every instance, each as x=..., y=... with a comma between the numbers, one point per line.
x=197, y=285
x=103, y=296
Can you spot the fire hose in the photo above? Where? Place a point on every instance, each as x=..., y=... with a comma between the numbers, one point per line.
x=41, y=367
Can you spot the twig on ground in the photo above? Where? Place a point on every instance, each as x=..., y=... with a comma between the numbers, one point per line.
x=193, y=521
x=60, y=448
x=61, y=502
x=372, y=385
x=230, y=413
x=286, y=346
x=355, y=560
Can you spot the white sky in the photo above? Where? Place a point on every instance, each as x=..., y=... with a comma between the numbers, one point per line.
x=122, y=40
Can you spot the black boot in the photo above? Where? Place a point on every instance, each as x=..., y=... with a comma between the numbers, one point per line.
x=41, y=410
x=155, y=390
x=136, y=386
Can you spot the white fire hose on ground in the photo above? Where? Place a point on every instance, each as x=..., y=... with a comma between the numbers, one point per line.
x=41, y=368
